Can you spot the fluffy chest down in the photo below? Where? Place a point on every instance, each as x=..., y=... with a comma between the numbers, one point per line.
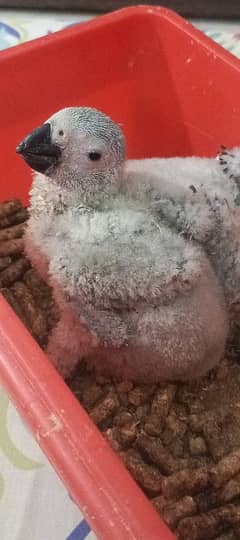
x=119, y=258
x=114, y=241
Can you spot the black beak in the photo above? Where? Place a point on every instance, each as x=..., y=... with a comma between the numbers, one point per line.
x=38, y=150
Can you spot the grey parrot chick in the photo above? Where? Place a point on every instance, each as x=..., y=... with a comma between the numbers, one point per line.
x=199, y=198
x=136, y=299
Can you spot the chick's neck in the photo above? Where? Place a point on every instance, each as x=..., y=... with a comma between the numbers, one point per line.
x=95, y=191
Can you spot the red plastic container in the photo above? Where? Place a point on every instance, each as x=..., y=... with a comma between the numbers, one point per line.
x=175, y=93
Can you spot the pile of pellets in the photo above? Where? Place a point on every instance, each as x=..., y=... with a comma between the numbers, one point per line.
x=181, y=442
x=28, y=295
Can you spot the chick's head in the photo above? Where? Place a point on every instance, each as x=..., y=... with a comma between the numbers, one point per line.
x=80, y=148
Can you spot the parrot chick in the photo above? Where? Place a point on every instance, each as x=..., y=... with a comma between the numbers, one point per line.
x=136, y=299
x=199, y=198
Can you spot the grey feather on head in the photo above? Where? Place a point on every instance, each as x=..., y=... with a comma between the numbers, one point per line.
x=93, y=153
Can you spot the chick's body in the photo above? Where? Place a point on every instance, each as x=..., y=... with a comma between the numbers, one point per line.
x=135, y=298
x=200, y=198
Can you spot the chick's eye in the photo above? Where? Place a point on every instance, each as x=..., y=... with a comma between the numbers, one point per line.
x=94, y=156
x=60, y=132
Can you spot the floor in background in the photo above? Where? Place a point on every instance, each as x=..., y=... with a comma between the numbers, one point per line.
x=17, y=26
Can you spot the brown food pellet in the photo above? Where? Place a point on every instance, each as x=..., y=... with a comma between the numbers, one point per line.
x=138, y=395
x=19, y=217
x=160, y=407
x=196, y=423
x=9, y=296
x=153, y=449
x=162, y=401
x=123, y=418
x=12, y=232
x=215, y=433
x=208, y=499
x=207, y=526
x=185, y=394
x=111, y=434
x=36, y=284
x=153, y=425
x=124, y=387
x=236, y=529
x=101, y=379
x=160, y=502
x=231, y=490
x=5, y=262
x=225, y=469
x=186, y=482
x=180, y=509
x=11, y=247
x=13, y=272
x=175, y=425
x=32, y=312
x=141, y=411
x=197, y=446
x=9, y=207
x=43, y=297
x=105, y=409
x=177, y=448
x=228, y=535
x=91, y=395
x=147, y=476
x=174, y=430
x=128, y=434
